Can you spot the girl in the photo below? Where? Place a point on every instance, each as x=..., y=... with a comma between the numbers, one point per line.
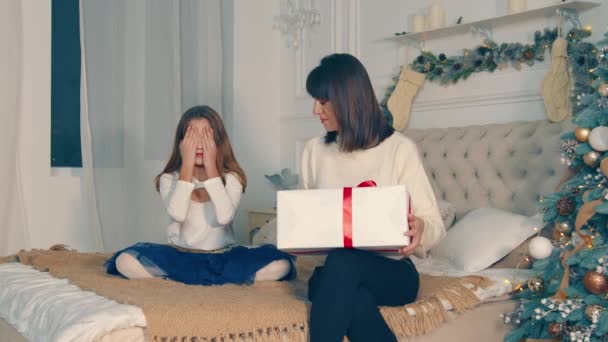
x=201, y=187
x=360, y=145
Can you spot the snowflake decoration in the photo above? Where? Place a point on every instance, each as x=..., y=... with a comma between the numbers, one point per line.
x=569, y=154
x=569, y=146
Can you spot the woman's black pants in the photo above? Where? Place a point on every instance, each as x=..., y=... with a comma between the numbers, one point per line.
x=346, y=292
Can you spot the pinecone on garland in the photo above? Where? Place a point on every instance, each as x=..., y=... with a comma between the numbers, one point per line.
x=565, y=206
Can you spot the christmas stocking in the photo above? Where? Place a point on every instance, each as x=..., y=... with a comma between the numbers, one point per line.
x=401, y=99
x=555, y=88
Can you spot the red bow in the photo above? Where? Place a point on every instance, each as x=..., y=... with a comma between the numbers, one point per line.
x=347, y=212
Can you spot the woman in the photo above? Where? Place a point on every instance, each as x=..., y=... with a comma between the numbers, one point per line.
x=201, y=187
x=360, y=145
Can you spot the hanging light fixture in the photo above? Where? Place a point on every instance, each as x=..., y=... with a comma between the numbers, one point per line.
x=293, y=21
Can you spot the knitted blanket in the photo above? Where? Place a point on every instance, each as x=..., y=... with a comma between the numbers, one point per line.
x=266, y=311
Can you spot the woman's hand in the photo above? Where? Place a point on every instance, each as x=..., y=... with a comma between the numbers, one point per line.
x=209, y=153
x=415, y=234
x=187, y=147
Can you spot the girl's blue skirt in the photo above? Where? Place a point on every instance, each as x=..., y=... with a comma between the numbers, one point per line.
x=234, y=265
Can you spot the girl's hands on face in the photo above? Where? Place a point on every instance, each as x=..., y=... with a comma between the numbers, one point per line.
x=209, y=149
x=187, y=147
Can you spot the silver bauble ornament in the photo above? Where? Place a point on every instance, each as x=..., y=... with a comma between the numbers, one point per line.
x=598, y=138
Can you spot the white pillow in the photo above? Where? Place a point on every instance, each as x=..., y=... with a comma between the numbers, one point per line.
x=484, y=236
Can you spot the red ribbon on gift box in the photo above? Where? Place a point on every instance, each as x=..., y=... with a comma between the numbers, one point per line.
x=347, y=211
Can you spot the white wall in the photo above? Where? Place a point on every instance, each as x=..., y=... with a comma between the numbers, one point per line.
x=52, y=202
x=253, y=105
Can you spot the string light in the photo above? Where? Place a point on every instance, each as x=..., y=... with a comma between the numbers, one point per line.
x=518, y=288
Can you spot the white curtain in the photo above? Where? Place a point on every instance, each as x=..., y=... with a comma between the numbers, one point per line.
x=146, y=62
x=13, y=228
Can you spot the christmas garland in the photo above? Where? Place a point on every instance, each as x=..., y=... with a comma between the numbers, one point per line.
x=490, y=56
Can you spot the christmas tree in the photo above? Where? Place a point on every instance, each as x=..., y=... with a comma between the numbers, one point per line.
x=567, y=298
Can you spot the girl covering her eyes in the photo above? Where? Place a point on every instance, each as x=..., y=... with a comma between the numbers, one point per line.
x=201, y=187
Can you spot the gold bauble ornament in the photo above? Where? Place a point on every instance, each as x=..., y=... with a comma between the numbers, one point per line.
x=556, y=329
x=595, y=282
x=536, y=284
x=559, y=236
x=591, y=158
x=561, y=231
x=594, y=311
x=582, y=134
x=603, y=89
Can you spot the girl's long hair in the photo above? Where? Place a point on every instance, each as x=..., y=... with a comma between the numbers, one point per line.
x=226, y=162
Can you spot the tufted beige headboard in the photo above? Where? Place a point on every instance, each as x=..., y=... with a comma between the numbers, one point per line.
x=506, y=166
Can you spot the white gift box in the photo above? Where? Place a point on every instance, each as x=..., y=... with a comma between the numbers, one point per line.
x=315, y=221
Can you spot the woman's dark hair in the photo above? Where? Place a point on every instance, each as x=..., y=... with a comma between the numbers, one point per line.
x=343, y=81
x=226, y=162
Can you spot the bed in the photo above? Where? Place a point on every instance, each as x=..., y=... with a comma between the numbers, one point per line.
x=506, y=166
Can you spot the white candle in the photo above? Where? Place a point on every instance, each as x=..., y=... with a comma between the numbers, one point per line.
x=418, y=23
x=436, y=16
x=516, y=6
